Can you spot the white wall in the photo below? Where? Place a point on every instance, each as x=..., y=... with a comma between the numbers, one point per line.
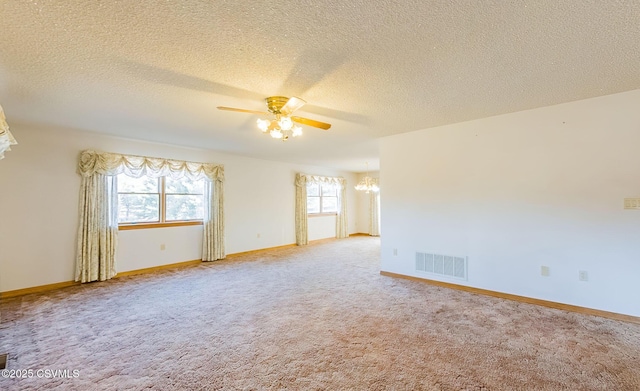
x=362, y=201
x=39, y=190
x=543, y=187
x=323, y=227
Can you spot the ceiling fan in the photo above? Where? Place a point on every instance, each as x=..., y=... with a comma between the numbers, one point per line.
x=281, y=126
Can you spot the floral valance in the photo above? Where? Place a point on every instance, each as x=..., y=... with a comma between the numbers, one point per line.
x=6, y=138
x=106, y=163
x=304, y=179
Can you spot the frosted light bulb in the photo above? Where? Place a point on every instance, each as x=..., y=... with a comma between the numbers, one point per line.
x=285, y=123
x=276, y=133
x=263, y=124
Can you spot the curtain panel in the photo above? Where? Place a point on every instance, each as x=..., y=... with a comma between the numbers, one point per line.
x=302, y=234
x=97, y=228
x=213, y=224
x=342, y=228
x=98, y=207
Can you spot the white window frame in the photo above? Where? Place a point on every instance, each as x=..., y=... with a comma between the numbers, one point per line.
x=320, y=196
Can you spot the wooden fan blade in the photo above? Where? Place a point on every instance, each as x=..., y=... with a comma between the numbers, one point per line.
x=241, y=110
x=311, y=122
x=292, y=105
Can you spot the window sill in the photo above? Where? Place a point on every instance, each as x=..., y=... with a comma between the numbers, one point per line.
x=321, y=214
x=126, y=227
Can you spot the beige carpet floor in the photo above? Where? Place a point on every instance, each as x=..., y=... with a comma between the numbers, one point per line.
x=319, y=317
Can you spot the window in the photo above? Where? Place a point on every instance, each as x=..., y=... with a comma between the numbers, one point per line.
x=159, y=201
x=322, y=198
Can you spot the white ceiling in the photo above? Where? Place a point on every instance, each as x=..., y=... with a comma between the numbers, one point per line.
x=156, y=70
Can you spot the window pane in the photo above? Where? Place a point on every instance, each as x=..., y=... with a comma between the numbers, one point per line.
x=329, y=204
x=137, y=208
x=313, y=189
x=313, y=204
x=329, y=190
x=184, y=207
x=127, y=184
x=184, y=186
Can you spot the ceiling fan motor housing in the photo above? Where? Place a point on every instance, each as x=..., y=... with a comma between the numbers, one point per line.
x=276, y=103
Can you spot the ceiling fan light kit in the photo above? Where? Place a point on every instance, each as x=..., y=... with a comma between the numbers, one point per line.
x=282, y=126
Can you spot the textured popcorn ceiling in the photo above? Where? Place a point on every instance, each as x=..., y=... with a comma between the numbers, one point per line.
x=156, y=70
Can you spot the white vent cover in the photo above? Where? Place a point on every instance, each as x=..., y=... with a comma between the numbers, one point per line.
x=444, y=265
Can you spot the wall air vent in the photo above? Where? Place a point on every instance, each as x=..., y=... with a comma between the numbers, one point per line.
x=443, y=265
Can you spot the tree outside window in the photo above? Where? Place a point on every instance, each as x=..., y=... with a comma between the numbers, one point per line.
x=184, y=199
x=322, y=198
x=159, y=200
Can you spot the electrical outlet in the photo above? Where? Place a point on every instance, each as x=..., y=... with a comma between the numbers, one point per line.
x=544, y=271
x=395, y=252
x=583, y=275
x=162, y=247
x=258, y=236
x=632, y=203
